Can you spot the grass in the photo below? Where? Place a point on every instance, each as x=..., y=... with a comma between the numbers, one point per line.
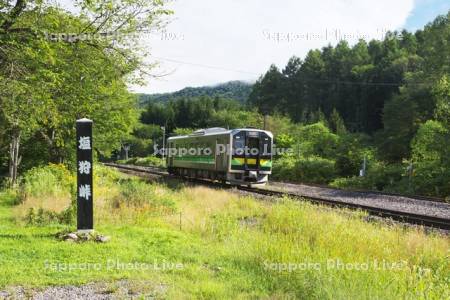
x=149, y=161
x=229, y=246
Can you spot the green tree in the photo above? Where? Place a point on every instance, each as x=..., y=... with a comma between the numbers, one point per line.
x=400, y=125
x=267, y=93
x=431, y=157
x=47, y=84
x=431, y=143
x=337, y=123
x=236, y=119
x=441, y=92
x=316, y=139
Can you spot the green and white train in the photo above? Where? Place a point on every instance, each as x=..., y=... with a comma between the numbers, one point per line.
x=238, y=156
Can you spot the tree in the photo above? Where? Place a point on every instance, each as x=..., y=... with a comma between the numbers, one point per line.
x=431, y=157
x=267, y=94
x=24, y=81
x=19, y=107
x=399, y=118
x=441, y=92
x=48, y=84
x=237, y=119
x=434, y=47
x=431, y=143
x=316, y=139
x=350, y=153
x=337, y=123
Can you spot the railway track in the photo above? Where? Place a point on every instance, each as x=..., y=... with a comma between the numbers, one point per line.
x=401, y=216
x=436, y=216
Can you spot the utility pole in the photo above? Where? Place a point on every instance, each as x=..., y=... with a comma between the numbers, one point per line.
x=126, y=148
x=164, y=142
x=410, y=170
x=362, y=172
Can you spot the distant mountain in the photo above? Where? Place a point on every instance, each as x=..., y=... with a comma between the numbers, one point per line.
x=237, y=90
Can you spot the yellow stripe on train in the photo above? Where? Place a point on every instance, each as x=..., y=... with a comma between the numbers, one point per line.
x=252, y=161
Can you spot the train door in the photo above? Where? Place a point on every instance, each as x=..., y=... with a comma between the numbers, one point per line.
x=252, y=155
x=218, y=158
x=238, y=151
x=169, y=156
x=221, y=155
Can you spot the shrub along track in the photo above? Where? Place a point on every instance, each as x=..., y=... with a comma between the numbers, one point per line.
x=413, y=210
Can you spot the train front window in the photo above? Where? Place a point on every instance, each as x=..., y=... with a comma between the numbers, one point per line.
x=239, y=144
x=253, y=146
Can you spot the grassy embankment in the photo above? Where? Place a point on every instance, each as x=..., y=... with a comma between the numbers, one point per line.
x=229, y=246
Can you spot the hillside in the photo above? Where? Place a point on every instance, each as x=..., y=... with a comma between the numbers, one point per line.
x=237, y=90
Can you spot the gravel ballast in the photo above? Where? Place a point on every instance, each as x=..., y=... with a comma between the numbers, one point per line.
x=122, y=289
x=392, y=202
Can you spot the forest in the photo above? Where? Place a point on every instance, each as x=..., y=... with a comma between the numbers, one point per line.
x=238, y=90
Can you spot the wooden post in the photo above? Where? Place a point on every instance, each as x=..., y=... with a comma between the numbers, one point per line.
x=85, y=192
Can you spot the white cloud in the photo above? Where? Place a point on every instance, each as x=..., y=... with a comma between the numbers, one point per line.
x=232, y=35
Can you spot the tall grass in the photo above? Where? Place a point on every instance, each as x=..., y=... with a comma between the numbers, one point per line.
x=45, y=192
x=234, y=246
x=257, y=242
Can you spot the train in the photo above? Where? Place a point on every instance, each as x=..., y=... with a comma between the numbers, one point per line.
x=236, y=156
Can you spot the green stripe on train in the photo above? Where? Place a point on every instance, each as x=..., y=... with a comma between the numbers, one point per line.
x=236, y=162
x=195, y=159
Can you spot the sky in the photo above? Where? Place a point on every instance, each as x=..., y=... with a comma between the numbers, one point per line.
x=214, y=41
x=425, y=11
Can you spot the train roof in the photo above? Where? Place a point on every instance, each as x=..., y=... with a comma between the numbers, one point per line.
x=217, y=131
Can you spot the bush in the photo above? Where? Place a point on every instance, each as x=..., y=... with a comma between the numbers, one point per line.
x=313, y=169
x=106, y=176
x=431, y=156
x=284, y=141
x=43, y=217
x=351, y=183
x=183, y=131
x=10, y=197
x=431, y=142
x=236, y=119
x=350, y=153
x=137, y=193
x=379, y=177
x=431, y=179
x=317, y=140
x=280, y=125
x=283, y=168
x=51, y=180
x=140, y=146
x=149, y=161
